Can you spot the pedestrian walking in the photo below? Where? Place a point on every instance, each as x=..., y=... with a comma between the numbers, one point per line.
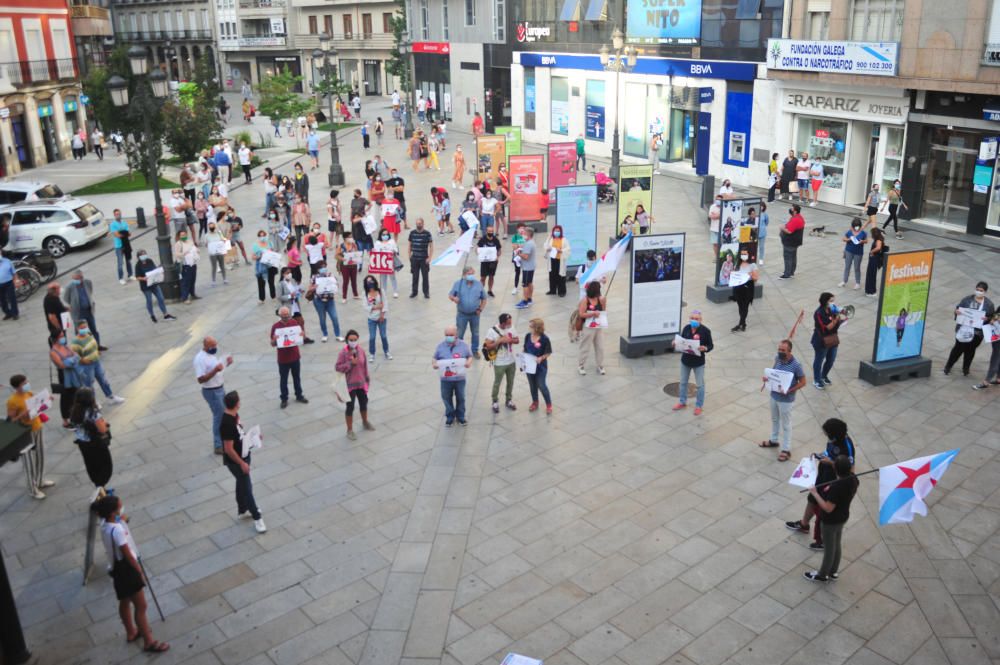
x=289, y=358
x=92, y=436
x=366, y=140
x=836, y=511
x=591, y=322
x=379, y=131
x=237, y=460
x=352, y=364
x=557, y=251
x=120, y=232
x=97, y=141
x=791, y=239
x=209, y=370
x=419, y=252
x=968, y=337
x=694, y=362
x=458, y=173
x=581, y=153
x=526, y=252
x=33, y=459
x=126, y=573
x=454, y=350
x=498, y=349
x=825, y=341
x=773, y=176
x=538, y=344
x=876, y=261
x=143, y=266
x=80, y=300
x=469, y=297
x=872, y=202
x=894, y=200
x=782, y=400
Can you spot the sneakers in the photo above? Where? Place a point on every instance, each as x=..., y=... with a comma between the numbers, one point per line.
x=533, y=406
x=301, y=400
x=38, y=494
x=510, y=405
x=339, y=338
x=115, y=399
x=827, y=381
x=121, y=281
x=351, y=435
x=581, y=370
x=981, y=386
x=814, y=576
x=857, y=286
x=679, y=406
x=816, y=546
x=496, y=407
x=169, y=317
x=259, y=526
x=548, y=410
x=524, y=304
x=899, y=236
x=388, y=356
x=784, y=276
x=697, y=410
x=812, y=204
x=513, y=291
x=153, y=318
x=463, y=423
x=841, y=283
x=368, y=426
x=797, y=526
x=47, y=483
x=371, y=357
x=395, y=295
x=600, y=370
x=323, y=339
x=819, y=385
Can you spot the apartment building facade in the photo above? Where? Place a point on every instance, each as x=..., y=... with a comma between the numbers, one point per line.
x=177, y=32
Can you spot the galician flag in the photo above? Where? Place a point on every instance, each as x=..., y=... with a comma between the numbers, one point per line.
x=606, y=265
x=452, y=255
x=902, y=487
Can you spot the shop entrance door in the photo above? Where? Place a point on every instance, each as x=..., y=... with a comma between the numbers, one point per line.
x=948, y=188
x=683, y=134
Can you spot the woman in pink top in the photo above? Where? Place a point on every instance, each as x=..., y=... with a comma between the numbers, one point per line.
x=351, y=362
x=294, y=260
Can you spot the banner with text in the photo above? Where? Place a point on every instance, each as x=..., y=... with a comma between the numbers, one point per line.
x=562, y=167
x=491, y=152
x=513, y=136
x=659, y=22
x=902, y=305
x=657, y=285
x=526, y=175
x=576, y=212
x=381, y=263
x=806, y=55
x=635, y=198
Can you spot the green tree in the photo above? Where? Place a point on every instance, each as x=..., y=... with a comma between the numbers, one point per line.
x=278, y=99
x=207, y=80
x=188, y=128
x=398, y=63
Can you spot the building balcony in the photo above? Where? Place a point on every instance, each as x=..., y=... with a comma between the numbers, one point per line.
x=164, y=35
x=261, y=8
x=33, y=72
x=991, y=55
x=376, y=41
x=90, y=21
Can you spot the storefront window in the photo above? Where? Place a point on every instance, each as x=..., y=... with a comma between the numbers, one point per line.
x=827, y=141
x=596, y=129
x=559, y=121
x=529, y=97
x=892, y=166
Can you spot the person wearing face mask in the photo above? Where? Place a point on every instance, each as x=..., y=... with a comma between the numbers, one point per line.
x=992, y=335
x=347, y=262
x=352, y=364
x=714, y=225
x=315, y=248
x=538, y=344
x=33, y=459
x=235, y=223
x=788, y=168
x=201, y=210
x=377, y=191
x=469, y=297
x=385, y=243
x=854, y=249
x=557, y=251
x=726, y=190
x=691, y=362
x=93, y=437
x=208, y=370
x=826, y=320
x=186, y=254
x=968, y=338
x=743, y=294
x=487, y=209
x=876, y=260
x=376, y=308
x=395, y=185
x=871, y=206
x=458, y=174
x=453, y=384
x=289, y=359
x=781, y=401
x=67, y=365
x=144, y=265
x=301, y=182
x=270, y=189
x=289, y=295
x=274, y=231
x=301, y=218
x=390, y=214
x=322, y=292
x=79, y=297
x=217, y=262
x=498, y=348
x=262, y=270
x=791, y=239
x=236, y=459
x=420, y=249
x=84, y=344
x=120, y=232
x=894, y=199
x=488, y=269
x=591, y=335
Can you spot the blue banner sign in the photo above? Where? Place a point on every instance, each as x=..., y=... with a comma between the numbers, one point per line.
x=866, y=58
x=711, y=69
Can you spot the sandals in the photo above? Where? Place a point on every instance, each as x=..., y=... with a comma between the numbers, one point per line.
x=156, y=647
x=784, y=456
x=133, y=638
x=767, y=444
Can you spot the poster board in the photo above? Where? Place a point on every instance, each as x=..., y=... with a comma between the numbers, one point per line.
x=635, y=187
x=656, y=284
x=562, y=167
x=513, y=136
x=381, y=263
x=739, y=225
x=576, y=212
x=902, y=305
x=491, y=152
x=526, y=175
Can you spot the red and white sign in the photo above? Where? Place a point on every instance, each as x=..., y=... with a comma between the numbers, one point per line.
x=381, y=263
x=432, y=47
x=525, y=32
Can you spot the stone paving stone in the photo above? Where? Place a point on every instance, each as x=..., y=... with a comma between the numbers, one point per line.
x=540, y=609
x=217, y=583
x=775, y=645
x=705, y=612
x=965, y=651
x=759, y=613
x=595, y=610
x=939, y=608
x=255, y=642
x=478, y=645
x=600, y=644
x=719, y=643
x=902, y=636
x=984, y=618
x=663, y=641
x=429, y=628
x=342, y=600
x=316, y=640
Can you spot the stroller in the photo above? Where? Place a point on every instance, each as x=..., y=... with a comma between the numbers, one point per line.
x=605, y=188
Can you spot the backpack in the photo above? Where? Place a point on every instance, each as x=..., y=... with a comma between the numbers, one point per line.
x=491, y=354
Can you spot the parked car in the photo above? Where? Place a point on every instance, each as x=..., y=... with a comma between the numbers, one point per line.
x=56, y=225
x=15, y=191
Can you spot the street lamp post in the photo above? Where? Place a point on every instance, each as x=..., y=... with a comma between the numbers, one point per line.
x=326, y=53
x=623, y=60
x=408, y=129
x=151, y=89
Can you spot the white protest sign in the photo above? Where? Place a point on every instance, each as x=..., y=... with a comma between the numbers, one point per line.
x=451, y=367
x=39, y=403
x=599, y=321
x=326, y=286
x=487, y=254
x=252, y=440
x=689, y=346
x=527, y=363
x=805, y=473
x=738, y=278
x=154, y=276
x=778, y=380
x=970, y=317
x=218, y=247
x=288, y=336
x=270, y=258
x=369, y=224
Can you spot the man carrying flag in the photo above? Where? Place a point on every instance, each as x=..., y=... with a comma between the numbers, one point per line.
x=836, y=507
x=902, y=487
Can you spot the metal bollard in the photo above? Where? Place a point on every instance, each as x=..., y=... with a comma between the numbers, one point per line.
x=140, y=217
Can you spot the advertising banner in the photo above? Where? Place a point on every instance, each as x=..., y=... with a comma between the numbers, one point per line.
x=596, y=127
x=526, y=175
x=491, y=152
x=806, y=55
x=513, y=136
x=738, y=228
x=657, y=22
x=657, y=285
x=562, y=167
x=902, y=305
x=635, y=186
x=576, y=212
x=381, y=263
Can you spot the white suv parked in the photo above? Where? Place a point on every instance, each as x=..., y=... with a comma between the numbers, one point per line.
x=15, y=191
x=53, y=224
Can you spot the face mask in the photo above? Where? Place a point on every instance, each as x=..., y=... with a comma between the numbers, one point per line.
x=470, y=278
x=782, y=355
x=272, y=216
x=62, y=340
x=142, y=256
x=288, y=278
x=694, y=324
x=557, y=234
x=183, y=238
x=263, y=237
x=449, y=339
x=75, y=282
x=212, y=350
x=322, y=271
x=83, y=332
x=856, y=228
x=25, y=387
x=980, y=294
x=385, y=237
x=744, y=257
x=353, y=343
x=315, y=229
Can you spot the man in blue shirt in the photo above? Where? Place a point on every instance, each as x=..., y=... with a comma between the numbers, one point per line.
x=8, y=294
x=781, y=402
x=312, y=145
x=224, y=164
x=470, y=297
x=123, y=248
x=453, y=375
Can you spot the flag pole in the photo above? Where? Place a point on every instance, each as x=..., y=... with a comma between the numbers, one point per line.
x=830, y=482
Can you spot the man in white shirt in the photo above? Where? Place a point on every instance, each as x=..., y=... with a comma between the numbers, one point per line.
x=97, y=139
x=502, y=338
x=815, y=180
x=178, y=206
x=208, y=369
x=244, y=155
x=395, y=99
x=422, y=109
x=802, y=175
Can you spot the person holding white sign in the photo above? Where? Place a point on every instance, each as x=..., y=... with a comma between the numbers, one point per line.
x=385, y=243
x=265, y=267
x=968, y=335
x=352, y=364
x=781, y=402
x=236, y=459
x=323, y=293
x=149, y=278
x=744, y=282
x=34, y=458
x=557, y=252
x=348, y=255
x=991, y=333
x=186, y=254
x=376, y=307
x=216, y=243
x=289, y=358
x=489, y=256
x=591, y=312
x=694, y=362
x=538, y=344
x=453, y=382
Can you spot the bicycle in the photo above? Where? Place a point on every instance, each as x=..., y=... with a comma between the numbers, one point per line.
x=27, y=280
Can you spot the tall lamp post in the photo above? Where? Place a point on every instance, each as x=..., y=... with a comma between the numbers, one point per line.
x=411, y=101
x=326, y=53
x=151, y=90
x=622, y=60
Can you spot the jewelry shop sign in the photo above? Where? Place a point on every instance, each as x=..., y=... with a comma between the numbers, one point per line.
x=864, y=58
x=851, y=106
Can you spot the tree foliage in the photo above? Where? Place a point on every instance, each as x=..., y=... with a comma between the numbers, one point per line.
x=188, y=128
x=278, y=99
x=398, y=63
x=207, y=80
